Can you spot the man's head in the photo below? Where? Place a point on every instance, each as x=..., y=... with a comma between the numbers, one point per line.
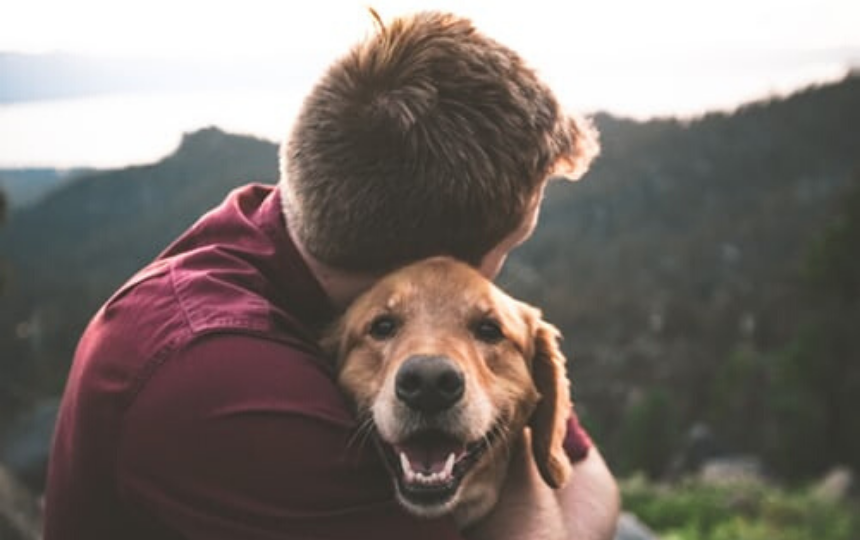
x=427, y=138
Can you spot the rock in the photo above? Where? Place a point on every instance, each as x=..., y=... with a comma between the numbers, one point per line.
x=731, y=470
x=699, y=446
x=631, y=528
x=20, y=512
x=835, y=486
x=28, y=442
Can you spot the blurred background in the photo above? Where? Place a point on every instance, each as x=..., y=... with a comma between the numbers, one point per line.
x=705, y=273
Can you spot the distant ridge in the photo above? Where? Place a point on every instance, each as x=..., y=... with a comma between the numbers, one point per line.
x=24, y=187
x=120, y=218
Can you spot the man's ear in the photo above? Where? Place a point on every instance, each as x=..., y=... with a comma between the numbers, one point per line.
x=549, y=419
x=582, y=143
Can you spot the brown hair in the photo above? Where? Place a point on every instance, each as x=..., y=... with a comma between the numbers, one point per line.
x=427, y=138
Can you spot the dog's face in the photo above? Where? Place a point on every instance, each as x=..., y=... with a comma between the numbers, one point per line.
x=451, y=370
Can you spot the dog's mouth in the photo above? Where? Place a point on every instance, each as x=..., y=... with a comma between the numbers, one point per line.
x=429, y=466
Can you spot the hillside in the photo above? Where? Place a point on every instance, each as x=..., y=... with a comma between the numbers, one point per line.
x=125, y=217
x=681, y=252
x=684, y=246
x=67, y=253
x=24, y=187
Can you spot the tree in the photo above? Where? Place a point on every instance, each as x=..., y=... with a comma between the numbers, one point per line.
x=815, y=381
x=794, y=404
x=833, y=363
x=2, y=221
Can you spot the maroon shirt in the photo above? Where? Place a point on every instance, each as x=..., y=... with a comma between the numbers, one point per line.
x=199, y=406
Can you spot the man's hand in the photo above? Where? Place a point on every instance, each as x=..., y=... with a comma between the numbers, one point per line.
x=586, y=508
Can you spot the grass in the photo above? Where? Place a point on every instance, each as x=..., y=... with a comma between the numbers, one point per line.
x=692, y=510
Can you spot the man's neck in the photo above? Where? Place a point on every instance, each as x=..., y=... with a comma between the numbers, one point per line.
x=341, y=287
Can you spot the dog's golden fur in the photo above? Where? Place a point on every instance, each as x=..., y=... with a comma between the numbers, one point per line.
x=513, y=379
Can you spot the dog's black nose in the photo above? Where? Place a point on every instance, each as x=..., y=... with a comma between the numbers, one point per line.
x=429, y=384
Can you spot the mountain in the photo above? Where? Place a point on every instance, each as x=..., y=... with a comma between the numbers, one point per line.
x=682, y=254
x=23, y=187
x=675, y=269
x=67, y=253
x=123, y=218
x=711, y=215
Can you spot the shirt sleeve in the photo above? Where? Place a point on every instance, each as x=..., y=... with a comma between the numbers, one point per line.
x=577, y=443
x=238, y=437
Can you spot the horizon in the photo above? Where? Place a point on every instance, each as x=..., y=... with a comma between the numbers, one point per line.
x=169, y=145
x=666, y=59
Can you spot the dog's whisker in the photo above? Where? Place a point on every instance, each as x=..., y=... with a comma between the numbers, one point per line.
x=362, y=434
x=368, y=429
x=502, y=432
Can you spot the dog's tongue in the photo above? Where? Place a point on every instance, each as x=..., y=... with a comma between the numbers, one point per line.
x=429, y=453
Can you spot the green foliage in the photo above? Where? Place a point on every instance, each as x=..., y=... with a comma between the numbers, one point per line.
x=828, y=364
x=800, y=409
x=740, y=511
x=797, y=398
x=777, y=393
x=833, y=264
x=736, y=393
x=648, y=433
x=802, y=396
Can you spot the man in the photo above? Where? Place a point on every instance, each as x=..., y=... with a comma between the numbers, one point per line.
x=199, y=405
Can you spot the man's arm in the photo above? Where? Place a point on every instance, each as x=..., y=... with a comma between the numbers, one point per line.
x=591, y=500
x=241, y=438
x=586, y=508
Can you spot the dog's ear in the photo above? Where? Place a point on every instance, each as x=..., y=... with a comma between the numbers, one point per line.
x=549, y=419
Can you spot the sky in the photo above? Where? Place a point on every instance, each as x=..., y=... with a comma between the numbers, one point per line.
x=202, y=28
x=633, y=58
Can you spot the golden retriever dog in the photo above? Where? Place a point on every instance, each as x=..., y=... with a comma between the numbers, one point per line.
x=449, y=371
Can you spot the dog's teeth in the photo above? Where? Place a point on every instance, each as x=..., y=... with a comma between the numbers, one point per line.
x=407, y=467
x=427, y=478
x=448, y=471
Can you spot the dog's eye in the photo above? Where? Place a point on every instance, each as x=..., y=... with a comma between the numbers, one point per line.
x=488, y=331
x=383, y=327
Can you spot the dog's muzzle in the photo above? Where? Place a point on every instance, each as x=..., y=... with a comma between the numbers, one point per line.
x=430, y=463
